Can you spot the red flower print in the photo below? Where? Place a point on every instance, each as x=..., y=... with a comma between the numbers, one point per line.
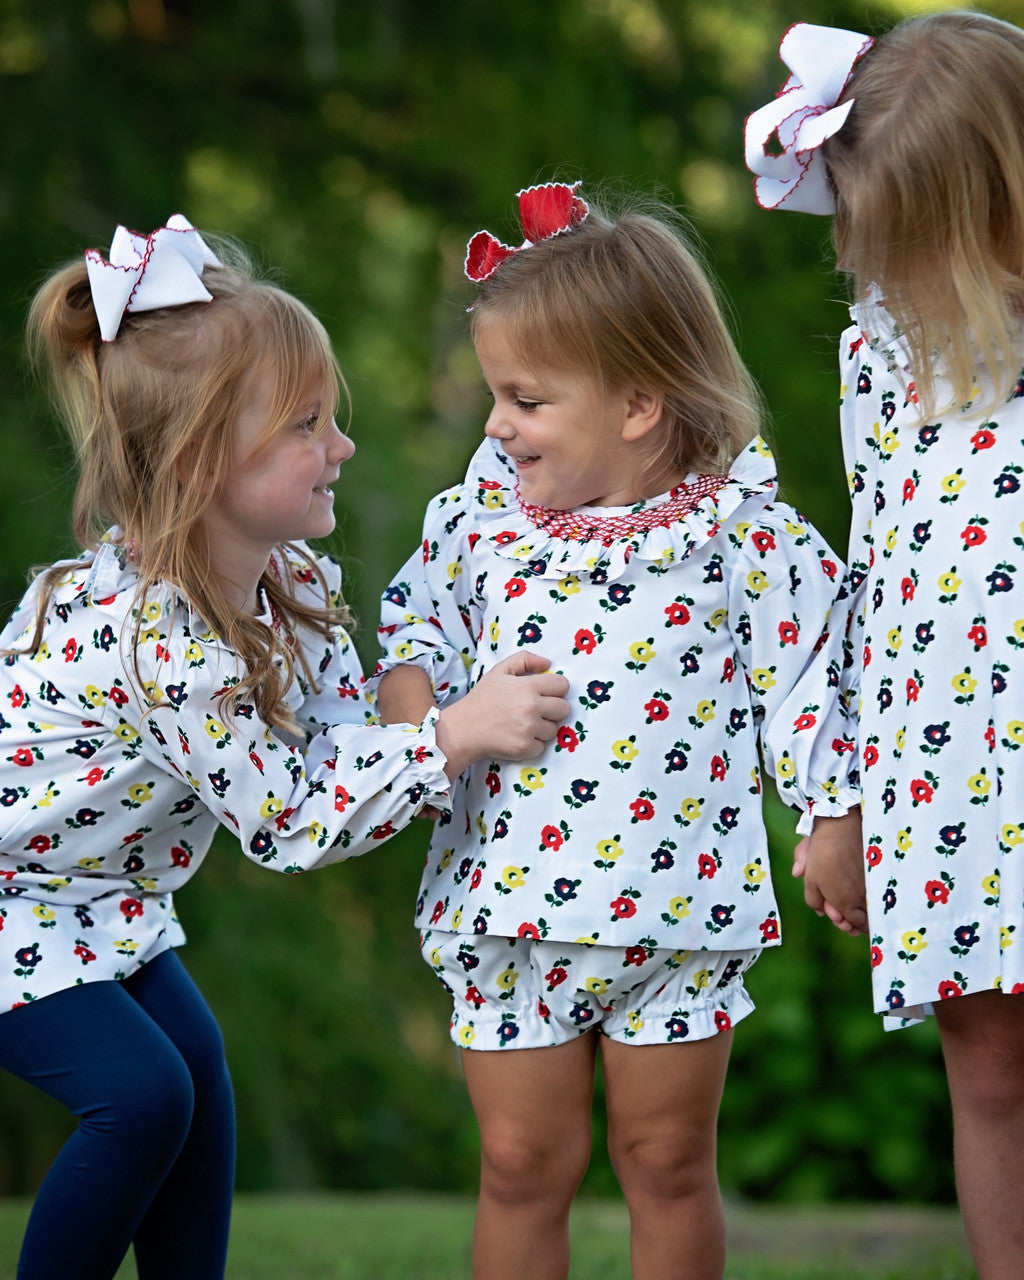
x=870, y=755
x=437, y=913
x=829, y=568
x=642, y=810
x=623, y=907
x=555, y=977
x=907, y=588
x=17, y=696
x=909, y=489
x=866, y=659
x=474, y=997
x=804, y=721
x=383, y=832
x=24, y=757
x=420, y=753
x=913, y=689
x=876, y=957
x=514, y=587
x=978, y=636
x=921, y=792
x=973, y=536
x=493, y=782
x=490, y=484
x=656, y=709
x=568, y=739
x=1018, y=989
x=131, y=907
x=949, y=990
x=281, y=821
x=635, y=955
x=527, y=930
x=40, y=844
x=936, y=891
x=990, y=738
x=586, y=642
x=983, y=439
x=762, y=540
x=475, y=878
x=505, y=537
x=769, y=930
x=94, y=775
x=722, y=1020
x=552, y=838
x=873, y=855
x=789, y=633
x=678, y=614
x=256, y=762
x=706, y=866
x=543, y=1010
x=341, y=799
x=728, y=670
x=717, y=768
x=70, y=649
x=180, y=857
x=84, y=954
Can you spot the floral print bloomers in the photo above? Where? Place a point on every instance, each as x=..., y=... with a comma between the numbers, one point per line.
x=527, y=993
x=112, y=782
x=937, y=556
x=690, y=628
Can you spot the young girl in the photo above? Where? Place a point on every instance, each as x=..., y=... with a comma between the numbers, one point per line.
x=925, y=171
x=189, y=669
x=619, y=508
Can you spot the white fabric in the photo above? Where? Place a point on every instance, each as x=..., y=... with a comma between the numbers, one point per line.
x=163, y=269
x=803, y=115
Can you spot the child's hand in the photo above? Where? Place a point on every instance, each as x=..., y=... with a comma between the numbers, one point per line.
x=509, y=714
x=831, y=861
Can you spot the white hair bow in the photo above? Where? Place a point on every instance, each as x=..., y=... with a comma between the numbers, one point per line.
x=802, y=115
x=163, y=269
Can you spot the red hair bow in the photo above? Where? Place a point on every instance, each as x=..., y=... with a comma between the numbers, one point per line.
x=543, y=211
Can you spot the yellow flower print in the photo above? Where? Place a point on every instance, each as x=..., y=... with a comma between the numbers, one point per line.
x=193, y=652
x=1012, y=834
x=1015, y=732
x=126, y=947
x=953, y=484
x=435, y=957
x=522, y=552
x=679, y=908
x=454, y=570
x=456, y=920
x=1018, y=628
x=889, y=441
x=494, y=499
x=507, y=978
x=151, y=611
x=702, y=979
x=690, y=809
x=991, y=884
x=43, y=912
x=140, y=793
x=213, y=727
x=445, y=860
x=625, y=750
x=757, y=581
x=705, y=711
x=45, y=801
x=569, y=586
x=95, y=697
x=890, y=540
x=784, y=766
x=149, y=636
x=596, y=986
x=903, y=841
x=316, y=830
x=641, y=652
x=964, y=682
x=913, y=941
x=950, y=583
x=1005, y=938
x=481, y=825
x=609, y=849
x=979, y=784
x=513, y=877
x=531, y=779
x=90, y=864
x=716, y=619
x=753, y=873
x=466, y=1036
x=42, y=653
x=763, y=677
x=126, y=733
x=588, y=940
x=742, y=529
x=494, y=631
x=271, y=807
x=635, y=1021
x=895, y=639
x=403, y=650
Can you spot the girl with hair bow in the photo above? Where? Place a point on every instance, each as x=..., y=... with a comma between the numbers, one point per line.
x=608, y=898
x=916, y=144
x=190, y=668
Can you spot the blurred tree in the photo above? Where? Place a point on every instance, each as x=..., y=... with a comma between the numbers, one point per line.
x=358, y=145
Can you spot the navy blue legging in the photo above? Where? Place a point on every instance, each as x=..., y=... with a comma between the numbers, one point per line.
x=151, y=1163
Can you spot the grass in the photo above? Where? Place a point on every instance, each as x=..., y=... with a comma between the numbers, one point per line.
x=417, y=1237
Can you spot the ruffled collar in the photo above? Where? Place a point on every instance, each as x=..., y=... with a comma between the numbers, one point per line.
x=881, y=332
x=602, y=541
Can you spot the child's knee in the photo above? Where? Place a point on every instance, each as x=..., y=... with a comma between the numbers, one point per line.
x=153, y=1106
x=522, y=1166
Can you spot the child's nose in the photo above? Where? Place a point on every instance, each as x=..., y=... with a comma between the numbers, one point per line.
x=496, y=427
x=341, y=448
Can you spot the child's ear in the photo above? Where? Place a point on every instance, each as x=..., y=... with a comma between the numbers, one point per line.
x=643, y=413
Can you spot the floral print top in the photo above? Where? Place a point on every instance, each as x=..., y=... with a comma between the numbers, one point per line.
x=110, y=792
x=689, y=627
x=936, y=555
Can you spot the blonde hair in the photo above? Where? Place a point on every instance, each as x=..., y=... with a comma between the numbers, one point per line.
x=151, y=416
x=928, y=174
x=626, y=299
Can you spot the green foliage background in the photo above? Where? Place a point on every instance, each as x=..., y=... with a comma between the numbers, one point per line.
x=356, y=144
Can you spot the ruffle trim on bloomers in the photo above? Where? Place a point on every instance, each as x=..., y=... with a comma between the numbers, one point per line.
x=588, y=540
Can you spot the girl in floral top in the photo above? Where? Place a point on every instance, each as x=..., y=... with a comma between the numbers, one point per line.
x=922, y=161
x=189, y=669
x=621, y=514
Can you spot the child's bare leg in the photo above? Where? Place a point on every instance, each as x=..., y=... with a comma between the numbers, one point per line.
x=533, y=1107
x=663, y=1102
x=983, y=1045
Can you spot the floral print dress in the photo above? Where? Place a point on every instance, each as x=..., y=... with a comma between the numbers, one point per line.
x=110, y=790
x=937, y=557
x=690, y=627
